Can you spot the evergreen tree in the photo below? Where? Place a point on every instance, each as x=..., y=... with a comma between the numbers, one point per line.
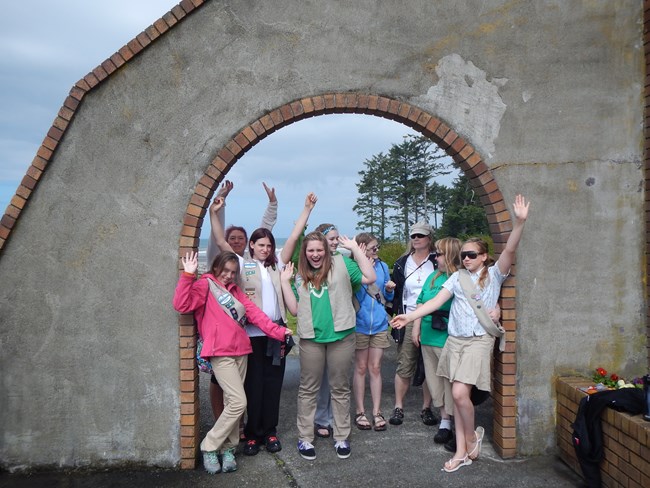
x=395, y=189
x=464, y=216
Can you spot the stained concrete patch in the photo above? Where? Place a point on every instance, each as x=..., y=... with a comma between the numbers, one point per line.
x=467, y=100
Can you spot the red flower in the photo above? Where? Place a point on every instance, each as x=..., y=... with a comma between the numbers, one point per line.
x=601, y=371
x=614, y=377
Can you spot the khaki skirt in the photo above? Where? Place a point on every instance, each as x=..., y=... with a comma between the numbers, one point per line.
x=468, y=360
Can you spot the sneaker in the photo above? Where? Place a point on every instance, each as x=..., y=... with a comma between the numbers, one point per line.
x=427, y=417
x=211, y=462
x=443, y=436
x=342, y=449
x=306, y=450
x=451, y=445
x=273, y=444
x=251, y=447
x=228, y=462
x=397, y=418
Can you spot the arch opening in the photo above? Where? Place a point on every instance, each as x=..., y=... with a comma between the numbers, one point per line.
x=470, y=163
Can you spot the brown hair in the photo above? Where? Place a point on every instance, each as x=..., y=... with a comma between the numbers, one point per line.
x=236, y=227
x=450, y=246
x=311, y=275
x=261, y=233
x=220, y=261
x=482, y=249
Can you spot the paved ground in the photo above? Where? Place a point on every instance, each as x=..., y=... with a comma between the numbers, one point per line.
x=403, y=456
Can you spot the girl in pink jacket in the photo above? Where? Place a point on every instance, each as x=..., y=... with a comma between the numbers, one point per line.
x=221, y=310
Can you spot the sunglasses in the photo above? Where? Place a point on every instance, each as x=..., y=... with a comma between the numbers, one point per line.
x=418, y=236
x=469, y=254
x=374, y=248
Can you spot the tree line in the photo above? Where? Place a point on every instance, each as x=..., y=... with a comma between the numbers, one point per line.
x=399, y=188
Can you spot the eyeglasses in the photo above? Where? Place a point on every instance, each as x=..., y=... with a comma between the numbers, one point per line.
x=418, y=236
x=469, y=254
x=374, y=248
x=440, y=253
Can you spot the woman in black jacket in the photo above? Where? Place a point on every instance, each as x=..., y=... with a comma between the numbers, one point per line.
x=409, y=273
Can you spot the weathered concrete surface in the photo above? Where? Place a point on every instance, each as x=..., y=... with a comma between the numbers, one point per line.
x=550, y=94
x=403, y=456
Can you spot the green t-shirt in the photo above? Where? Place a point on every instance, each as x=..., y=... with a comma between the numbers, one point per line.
x=429, y=336
x=321, y=308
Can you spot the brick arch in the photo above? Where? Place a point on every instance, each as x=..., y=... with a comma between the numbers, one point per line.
x=470, y=162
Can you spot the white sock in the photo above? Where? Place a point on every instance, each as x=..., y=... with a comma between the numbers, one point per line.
x=445, y=424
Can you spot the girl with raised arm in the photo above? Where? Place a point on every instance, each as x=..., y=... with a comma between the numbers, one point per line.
x=260, y=277
x=467, y=354
x=221, y=310
x=326, y=321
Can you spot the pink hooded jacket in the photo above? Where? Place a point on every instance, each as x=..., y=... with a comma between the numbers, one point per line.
x=222, y=336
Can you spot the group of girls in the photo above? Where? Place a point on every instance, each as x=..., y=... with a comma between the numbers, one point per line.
x=244, y=330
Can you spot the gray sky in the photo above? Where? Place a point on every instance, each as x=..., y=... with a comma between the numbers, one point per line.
x=46, y=47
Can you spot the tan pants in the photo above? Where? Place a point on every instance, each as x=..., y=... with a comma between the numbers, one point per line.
x=230, y=372
x=407, y=354
x=339, y=358
x=439, y=386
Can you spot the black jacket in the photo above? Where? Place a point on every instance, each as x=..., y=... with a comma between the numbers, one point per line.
x=397, y=306
x=398, y=276
x=588, y=431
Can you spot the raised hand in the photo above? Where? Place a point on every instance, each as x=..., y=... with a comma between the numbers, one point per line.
x=270, y=193
x=225, y=189
x=217, y=204
x=190, y=262
x=287, y=272
x=520, y=208
x=347, y=243
x=310, y=200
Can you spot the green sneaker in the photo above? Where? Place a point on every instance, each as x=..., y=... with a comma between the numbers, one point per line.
x=228, y=463
x=211, y=462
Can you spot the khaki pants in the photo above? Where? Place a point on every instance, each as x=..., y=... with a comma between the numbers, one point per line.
x=339, y=358
x=407, y=354
x=230, y=372
x=439, y=386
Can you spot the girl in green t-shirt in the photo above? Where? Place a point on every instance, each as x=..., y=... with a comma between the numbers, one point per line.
x=433, y=340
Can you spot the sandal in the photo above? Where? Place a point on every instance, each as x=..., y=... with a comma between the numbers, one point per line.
x=479, y=433
x=362, y=422
x=449, y=465
x=323, y=431
x=379, y=421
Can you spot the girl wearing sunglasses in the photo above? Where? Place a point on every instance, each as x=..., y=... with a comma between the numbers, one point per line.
x=467, y=354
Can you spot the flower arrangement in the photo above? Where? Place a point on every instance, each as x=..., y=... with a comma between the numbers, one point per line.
x=612, y=381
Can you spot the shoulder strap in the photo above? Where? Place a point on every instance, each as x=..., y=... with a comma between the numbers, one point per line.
x=228, y=303
x=475, y=301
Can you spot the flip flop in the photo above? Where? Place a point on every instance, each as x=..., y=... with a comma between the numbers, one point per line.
x=465, y=461
x=479, y=433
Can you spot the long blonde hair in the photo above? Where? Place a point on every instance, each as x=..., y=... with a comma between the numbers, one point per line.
x=450, y=246
x=312, y=275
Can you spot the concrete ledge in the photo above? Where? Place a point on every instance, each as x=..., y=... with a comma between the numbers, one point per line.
x=626, y=438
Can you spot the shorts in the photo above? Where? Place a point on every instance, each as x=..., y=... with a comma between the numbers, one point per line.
x=378, y=340
x=468, y=360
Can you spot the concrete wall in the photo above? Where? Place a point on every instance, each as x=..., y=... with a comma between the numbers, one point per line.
x=548, y=92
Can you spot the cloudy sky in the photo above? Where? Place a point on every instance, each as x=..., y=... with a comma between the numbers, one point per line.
x=46, y=47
